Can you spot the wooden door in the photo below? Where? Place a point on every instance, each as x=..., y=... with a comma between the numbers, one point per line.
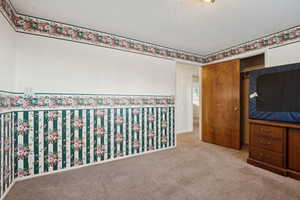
x=221, y=104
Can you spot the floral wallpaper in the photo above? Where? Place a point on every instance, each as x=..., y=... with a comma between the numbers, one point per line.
x=6, y=152
x=47, y=141
x=46, y=132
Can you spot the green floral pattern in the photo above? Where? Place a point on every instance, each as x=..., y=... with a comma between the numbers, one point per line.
x=78, y=137
x=6, y=152
x=46, y=133
x=20, y=102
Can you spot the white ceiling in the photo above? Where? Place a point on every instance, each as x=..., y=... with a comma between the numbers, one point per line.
x=181, y=24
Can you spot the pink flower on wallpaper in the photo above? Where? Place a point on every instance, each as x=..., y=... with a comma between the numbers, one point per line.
x=27, y=26
x=26, y=104
x=18, y=20
x=65, y=31
x=124, y=43
x=52, y=103
x=88, y=36
x=22, y=127
x=151, y=134
x=152, y=50
x=164, y=139
x=119, y=120
x=52, y=159
x=100, y=132
x=73, y=34
x=42, y=101
x=68, y=101
x=52, y=136
x=151, y=118
x=77, y=123
x=108, y=40
x=22, y=152
x=119, y=138
x=52, y=115
x=100, y=150
x=78, y=144
x=42, y=26
x=293, y=34
x=136, y=144
x=164, y=124
x=52, y=30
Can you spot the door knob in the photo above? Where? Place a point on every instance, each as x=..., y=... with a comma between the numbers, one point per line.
x=236, y=109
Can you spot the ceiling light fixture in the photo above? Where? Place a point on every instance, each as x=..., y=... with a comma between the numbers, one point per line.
x=208, y=1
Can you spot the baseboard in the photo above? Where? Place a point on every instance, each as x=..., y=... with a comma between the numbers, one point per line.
x=294, y=174
x=268, y=167
x=91, y=164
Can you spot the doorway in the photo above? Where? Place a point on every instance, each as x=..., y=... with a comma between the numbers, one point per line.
x=247, y=65
x=196, y=103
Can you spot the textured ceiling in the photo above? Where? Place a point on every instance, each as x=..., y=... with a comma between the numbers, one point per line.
x=181, y=24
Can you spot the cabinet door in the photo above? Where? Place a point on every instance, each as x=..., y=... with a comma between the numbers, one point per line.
x=221, y=103
x=294, y=149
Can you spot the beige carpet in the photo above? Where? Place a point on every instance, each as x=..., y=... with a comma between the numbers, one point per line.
x=194, y=170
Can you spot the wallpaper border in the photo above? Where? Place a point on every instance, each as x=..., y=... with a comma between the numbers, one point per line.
x=42, y=27
x=280, y=38
x=52, y=29
x=52, y=101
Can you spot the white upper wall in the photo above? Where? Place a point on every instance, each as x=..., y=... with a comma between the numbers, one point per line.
x=51, y=65
x=7, y=55
x=284, y=54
